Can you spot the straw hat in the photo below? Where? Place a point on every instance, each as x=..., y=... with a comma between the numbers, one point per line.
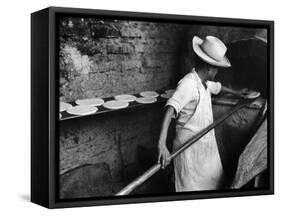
x=211, y=50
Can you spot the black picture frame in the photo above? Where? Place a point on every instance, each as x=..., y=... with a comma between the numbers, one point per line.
x=45, y=107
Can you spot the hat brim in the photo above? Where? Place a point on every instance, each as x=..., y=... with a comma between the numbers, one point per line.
x=196, y=44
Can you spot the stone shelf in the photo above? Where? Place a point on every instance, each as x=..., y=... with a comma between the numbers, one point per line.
x=102, y=110
x=227, y=100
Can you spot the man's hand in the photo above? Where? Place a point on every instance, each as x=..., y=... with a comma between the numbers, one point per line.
x=163, y=153
x=244, y=92
x=163, y=156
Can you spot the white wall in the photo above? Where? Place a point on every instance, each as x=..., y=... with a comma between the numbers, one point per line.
x=15, y=106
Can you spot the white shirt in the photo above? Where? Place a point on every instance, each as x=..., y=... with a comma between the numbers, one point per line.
x=185, y=98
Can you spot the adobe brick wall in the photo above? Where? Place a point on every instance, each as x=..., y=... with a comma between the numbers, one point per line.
x=103, y=60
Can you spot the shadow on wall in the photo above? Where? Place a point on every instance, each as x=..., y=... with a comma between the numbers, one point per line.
x=86, y=181
x=249, y=65
x=93, y=163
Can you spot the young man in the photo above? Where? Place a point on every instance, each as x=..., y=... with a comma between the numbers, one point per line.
x=198, y=167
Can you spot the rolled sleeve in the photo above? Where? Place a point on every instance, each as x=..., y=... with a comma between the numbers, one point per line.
x=214, y=87
x=184, y=93
x=175, y=104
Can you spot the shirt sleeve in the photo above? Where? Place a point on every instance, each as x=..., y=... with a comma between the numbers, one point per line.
x=185, y=92
x=214, y=87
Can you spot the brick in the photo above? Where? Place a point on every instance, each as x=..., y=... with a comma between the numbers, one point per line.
x=106, y=66
x=128, y=31
x=131, y=64
x=120, y=49
x=152, y=62
x=139, y=48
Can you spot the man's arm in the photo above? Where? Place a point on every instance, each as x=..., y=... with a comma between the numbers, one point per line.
x=163, y=153
x=234, y=92
x=216, y=87
x=185, y=92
